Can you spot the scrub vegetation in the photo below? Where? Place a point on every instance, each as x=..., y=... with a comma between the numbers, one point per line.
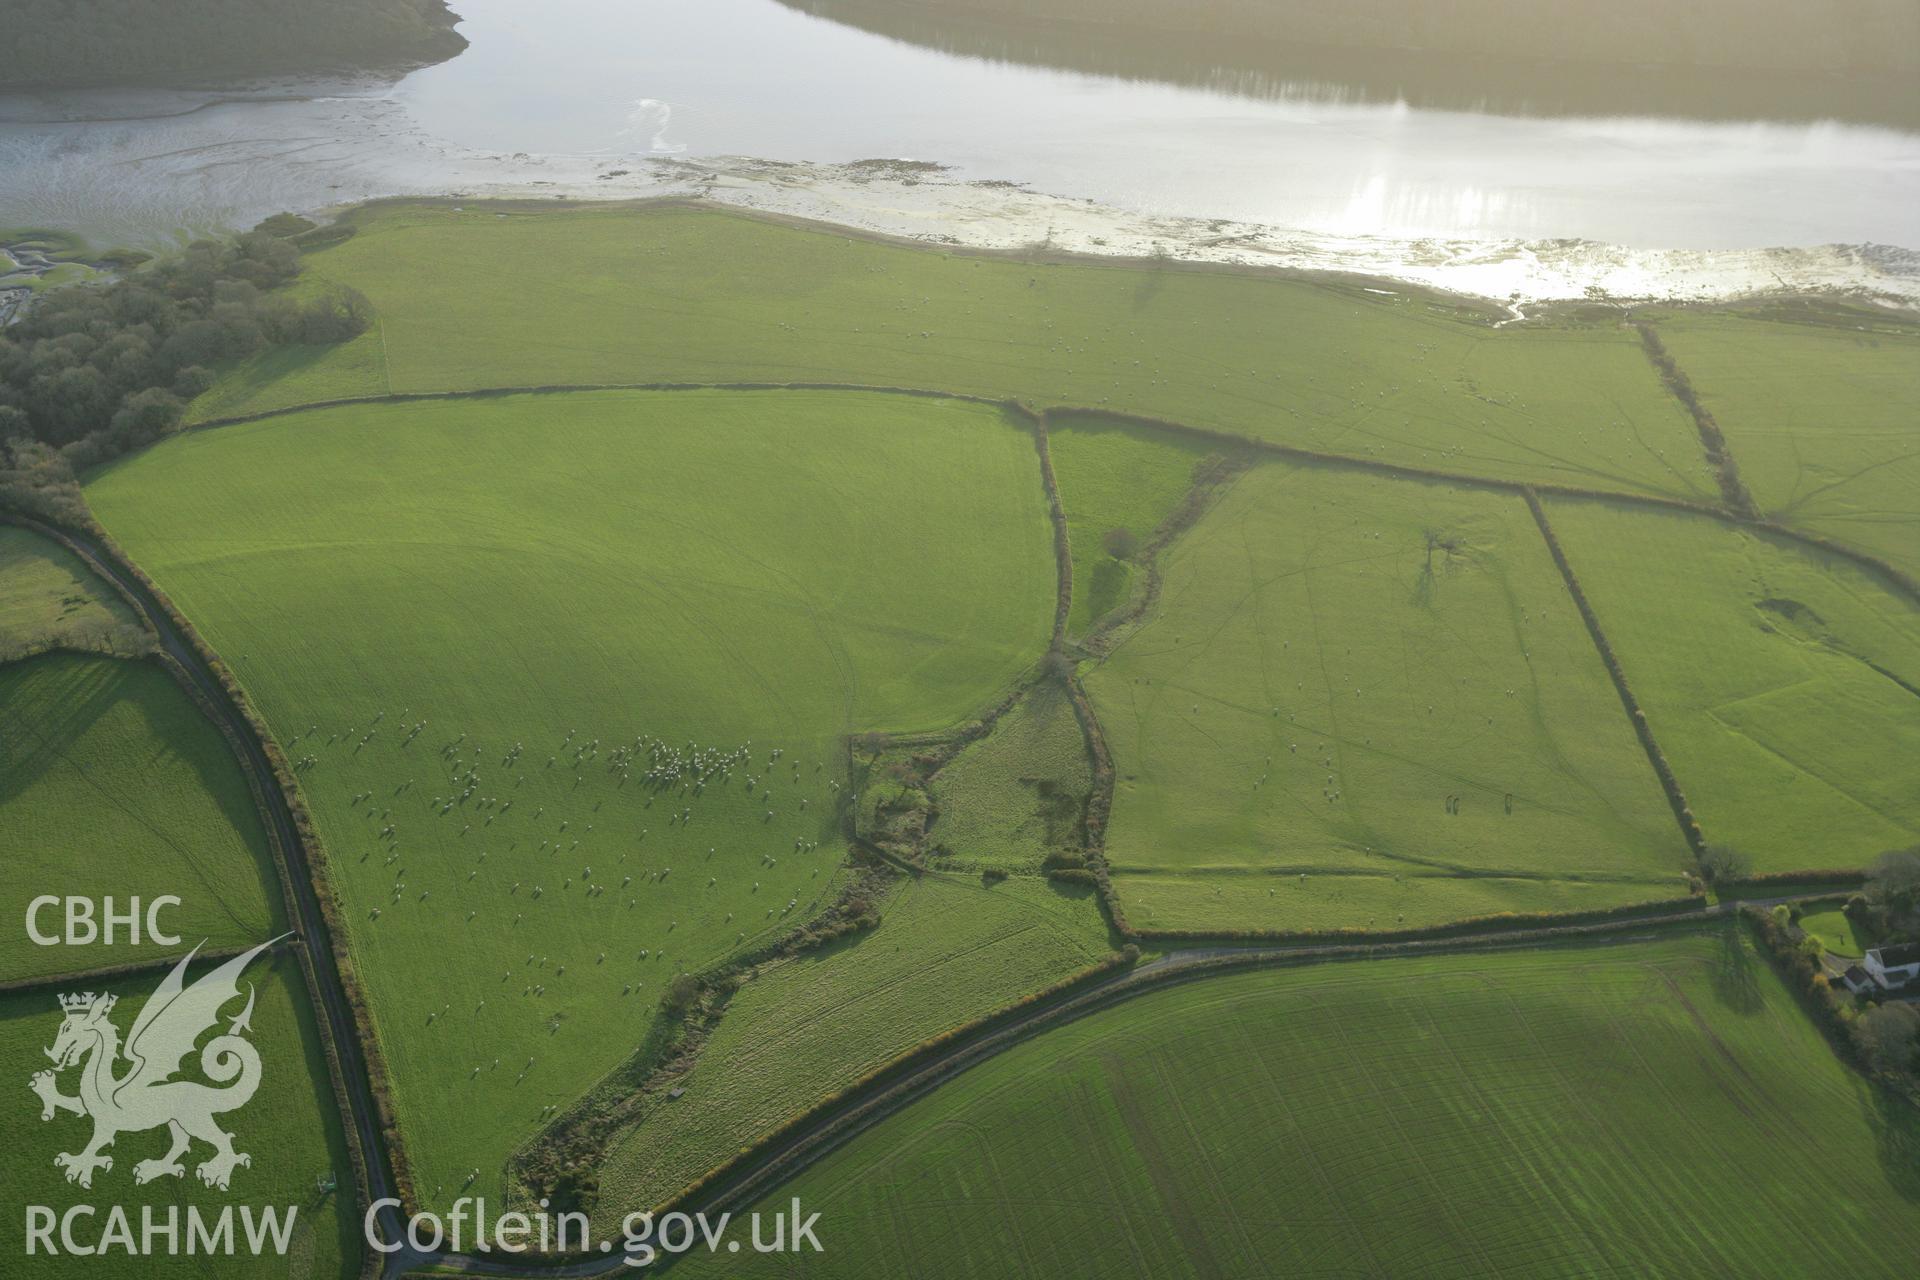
x=89, y=373
x=739, y=654
x=49, y=600
x=948, y=950
x=571, y=720
x=1018, y=796
x=1118, y=484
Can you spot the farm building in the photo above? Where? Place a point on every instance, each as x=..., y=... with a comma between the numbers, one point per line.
x=1892, y=968
x=1854, y=979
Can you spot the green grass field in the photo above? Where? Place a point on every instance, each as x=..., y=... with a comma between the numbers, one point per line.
x=1653, y=1108
x=48, y=598
x=290, y=1128
x=113, y=783
x=1782, y=683
x=1836, y=933
x=634, y=629
x=948, y=950
x=1012, y=796
x=574, y=683
x=1819, y=417
x=1365, y=702
x=1114, y=476
x=609, y=295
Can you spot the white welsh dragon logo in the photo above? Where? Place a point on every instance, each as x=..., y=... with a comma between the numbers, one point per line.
x=147, y=1096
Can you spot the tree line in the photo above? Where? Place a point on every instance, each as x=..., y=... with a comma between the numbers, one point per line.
x=138, y=42
x=92, y=371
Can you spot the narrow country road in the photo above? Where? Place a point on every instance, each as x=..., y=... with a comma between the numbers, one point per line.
x=828, y=1128
x=309, y=922
x=894, y=1088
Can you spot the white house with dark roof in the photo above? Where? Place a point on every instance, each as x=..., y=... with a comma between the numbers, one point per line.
x=1892, y=968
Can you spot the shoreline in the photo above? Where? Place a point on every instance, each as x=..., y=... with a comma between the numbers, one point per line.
x=1497, y=313
x=919, y=203
x=366, y=149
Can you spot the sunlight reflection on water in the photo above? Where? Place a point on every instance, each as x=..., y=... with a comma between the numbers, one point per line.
x=574, y=89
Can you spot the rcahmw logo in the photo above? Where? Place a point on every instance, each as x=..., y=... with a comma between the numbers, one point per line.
x=148, y=1096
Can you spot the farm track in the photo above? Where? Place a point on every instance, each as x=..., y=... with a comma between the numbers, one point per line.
x=325, y=989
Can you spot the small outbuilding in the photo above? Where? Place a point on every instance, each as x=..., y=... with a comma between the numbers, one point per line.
x=1854, y=979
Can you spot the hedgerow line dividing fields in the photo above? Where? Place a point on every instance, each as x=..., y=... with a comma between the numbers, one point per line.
x=832, y=1124
x=1777, y=679
x=1090, y=646
x=1302, y=619
x=1253, y=352
x=150, y=614
x=1096, y=1191
x=1682, y=812
x=1237, y=442
x=375, y=1159
x=1387, y=468
x=1817, y=403
x=1733, y=491
x=114, y=972
x=984, y=596
x=1218, y=436
x=1100, y=642
x=662, y=1063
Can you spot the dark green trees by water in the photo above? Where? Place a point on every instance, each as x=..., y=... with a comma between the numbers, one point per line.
x=59, y=43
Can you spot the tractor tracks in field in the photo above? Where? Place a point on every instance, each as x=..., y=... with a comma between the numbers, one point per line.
x=826, y=1128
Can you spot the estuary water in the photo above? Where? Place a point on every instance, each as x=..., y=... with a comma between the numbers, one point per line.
x=1502, y=178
